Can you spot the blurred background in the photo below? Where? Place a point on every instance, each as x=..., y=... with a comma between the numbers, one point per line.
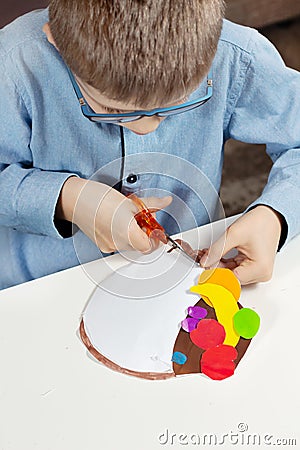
x=246, y=166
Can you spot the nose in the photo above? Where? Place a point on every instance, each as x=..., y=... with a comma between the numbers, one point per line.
x=145, y=125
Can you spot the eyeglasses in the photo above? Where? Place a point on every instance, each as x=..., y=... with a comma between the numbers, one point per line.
x=136, y=115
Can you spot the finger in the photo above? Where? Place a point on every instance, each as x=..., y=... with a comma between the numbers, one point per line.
x=246, y=272
x=219, y=248
x=154, y=243
x=126, y=233
x=138, y=239
x=249, y=271
x=157, y=203
x=104, y=247
x=107, y=249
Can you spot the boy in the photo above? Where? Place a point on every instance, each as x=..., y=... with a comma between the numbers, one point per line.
x=121, y=57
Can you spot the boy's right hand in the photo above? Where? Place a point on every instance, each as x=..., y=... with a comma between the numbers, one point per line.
x=105, y=215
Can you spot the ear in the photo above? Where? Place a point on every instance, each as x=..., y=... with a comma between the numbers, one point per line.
x=47, y=31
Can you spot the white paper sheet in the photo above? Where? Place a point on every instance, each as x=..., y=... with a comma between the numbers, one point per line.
x=134, y=317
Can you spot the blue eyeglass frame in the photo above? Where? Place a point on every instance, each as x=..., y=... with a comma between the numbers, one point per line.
x=136, y=115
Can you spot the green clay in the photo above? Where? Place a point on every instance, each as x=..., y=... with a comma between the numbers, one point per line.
x=246, y=323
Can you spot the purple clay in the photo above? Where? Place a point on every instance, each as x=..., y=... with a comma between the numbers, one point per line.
x=197, y=312
x=189, y=324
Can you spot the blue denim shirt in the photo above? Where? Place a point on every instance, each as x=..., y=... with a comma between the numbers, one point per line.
x=44, y=139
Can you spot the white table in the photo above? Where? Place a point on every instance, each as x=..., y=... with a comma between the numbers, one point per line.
x=53, y=396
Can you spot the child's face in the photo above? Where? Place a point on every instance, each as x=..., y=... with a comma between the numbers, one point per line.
x=100, y=104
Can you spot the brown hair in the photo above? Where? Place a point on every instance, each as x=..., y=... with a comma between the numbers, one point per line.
x=140, y=51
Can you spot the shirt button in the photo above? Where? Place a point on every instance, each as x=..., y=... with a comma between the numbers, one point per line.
x=132, y=178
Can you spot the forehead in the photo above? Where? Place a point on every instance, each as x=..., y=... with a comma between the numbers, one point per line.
x=103, y=100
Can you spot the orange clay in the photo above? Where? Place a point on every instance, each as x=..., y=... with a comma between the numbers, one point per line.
x=222, y=277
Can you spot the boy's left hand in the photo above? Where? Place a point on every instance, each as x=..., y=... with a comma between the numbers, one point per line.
x=256, y=236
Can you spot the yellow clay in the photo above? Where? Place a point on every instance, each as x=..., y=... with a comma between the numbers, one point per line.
x=225, y=306
x=222, y=277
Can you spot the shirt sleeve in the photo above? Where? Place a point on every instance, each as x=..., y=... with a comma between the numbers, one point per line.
x=267, y=111
x=28, y=195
